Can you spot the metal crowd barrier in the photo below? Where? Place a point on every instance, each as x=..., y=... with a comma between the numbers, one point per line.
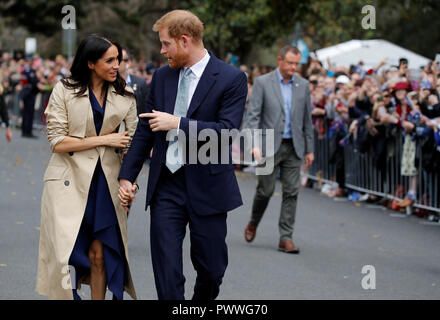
x=322, y=169
x=363, y=176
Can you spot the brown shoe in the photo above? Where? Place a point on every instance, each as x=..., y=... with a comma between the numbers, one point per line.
x=288, y=247
x=405, y=203
x=250, y=231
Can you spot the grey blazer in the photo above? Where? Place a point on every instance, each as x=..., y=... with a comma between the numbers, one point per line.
x=266, y=111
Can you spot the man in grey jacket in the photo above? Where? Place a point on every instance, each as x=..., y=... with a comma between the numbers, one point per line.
x=280, y=101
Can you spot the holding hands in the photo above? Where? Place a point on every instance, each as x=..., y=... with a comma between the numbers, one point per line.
x=127, y=193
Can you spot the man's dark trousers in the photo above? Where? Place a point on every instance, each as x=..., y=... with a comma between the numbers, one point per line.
x=28, y=114
x=170, y=214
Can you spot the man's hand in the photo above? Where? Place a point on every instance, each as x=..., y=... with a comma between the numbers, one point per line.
x=371, y=127
x=318, y=112
x=332, y=97
x=352, y=99
x=381, y=64
x=126, y=193
x=8, y=134
x=256, y=152
x=353, y=126
x=161, y=121
x=340, y=108
x=434, y=67
x=310, y=157
x=408, y=126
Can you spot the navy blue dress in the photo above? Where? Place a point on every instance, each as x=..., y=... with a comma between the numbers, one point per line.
x=100, y=222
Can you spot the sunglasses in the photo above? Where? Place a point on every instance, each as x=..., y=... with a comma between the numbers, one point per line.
x=386, y=96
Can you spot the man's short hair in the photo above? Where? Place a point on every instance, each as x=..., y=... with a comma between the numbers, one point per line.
x=403, y=60
x=128, y=54
x=181, y=22
x=288, y=48
x=150, y=68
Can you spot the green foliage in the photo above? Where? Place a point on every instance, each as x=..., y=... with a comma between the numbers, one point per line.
x=334, y=22
x=236, y=25
x=412, y=24
x=39, y=16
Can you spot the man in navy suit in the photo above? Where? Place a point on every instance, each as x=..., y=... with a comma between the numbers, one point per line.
x=196, y=91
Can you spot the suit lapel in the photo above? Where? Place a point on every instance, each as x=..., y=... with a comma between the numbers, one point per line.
x=276, y=88
x=295, y=95
x=207, y=80
x=171, y=85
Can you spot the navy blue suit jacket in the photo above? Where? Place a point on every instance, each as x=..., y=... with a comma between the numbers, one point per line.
x=218, y=103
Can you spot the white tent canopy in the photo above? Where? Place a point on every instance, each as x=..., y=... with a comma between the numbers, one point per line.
x=371, y=52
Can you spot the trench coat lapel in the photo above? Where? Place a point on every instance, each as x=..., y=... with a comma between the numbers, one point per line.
x=82, y=117
x=116, y=109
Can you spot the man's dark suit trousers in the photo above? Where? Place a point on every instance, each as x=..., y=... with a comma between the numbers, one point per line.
x=171, y=212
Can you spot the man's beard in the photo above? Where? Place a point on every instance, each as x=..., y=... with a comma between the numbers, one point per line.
x=179, y=60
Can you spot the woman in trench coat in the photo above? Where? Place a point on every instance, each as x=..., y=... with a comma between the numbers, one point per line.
x=91, y=117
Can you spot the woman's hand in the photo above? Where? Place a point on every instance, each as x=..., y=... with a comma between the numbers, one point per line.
x=127, y=193
x=117, y=140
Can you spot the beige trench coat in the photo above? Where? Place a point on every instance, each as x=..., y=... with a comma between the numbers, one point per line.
x=67, y=181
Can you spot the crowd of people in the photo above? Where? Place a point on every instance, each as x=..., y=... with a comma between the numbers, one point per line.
x=371, y=107
x=26, y=82
x=364, y=106
x=25, y=86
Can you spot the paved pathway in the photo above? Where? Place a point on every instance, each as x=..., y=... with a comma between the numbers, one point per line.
x=336, y=239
